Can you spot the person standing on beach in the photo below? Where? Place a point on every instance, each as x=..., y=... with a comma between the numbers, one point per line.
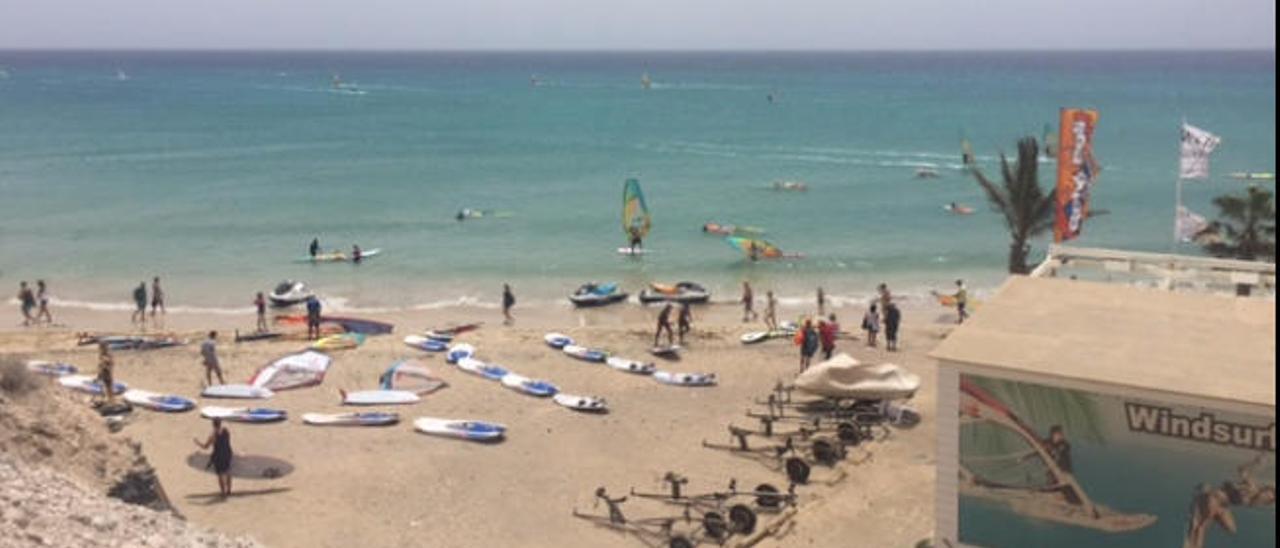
x=313, y=318
x=28, y=301
x=684, y=323
x=807, y=340
x=107, y=372
x=885, y=296
x=42, y=298
x=748, y=303
x=260, y=302
x=508, y=302
x=770, y=311
x=827, y=332
x=892, y=320
x=140, y=305
x=209, y=355
x=664, y=324
x=962, y=302
x=157, y=298
x=220, y=459
x=822, y=302
x=314, y=248
x=871, y=324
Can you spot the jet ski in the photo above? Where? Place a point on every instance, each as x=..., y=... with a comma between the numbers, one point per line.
x=593, y=294
x=683, y=292
x=289, y=293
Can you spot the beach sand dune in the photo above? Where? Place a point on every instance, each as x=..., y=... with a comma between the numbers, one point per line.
x=394, y=487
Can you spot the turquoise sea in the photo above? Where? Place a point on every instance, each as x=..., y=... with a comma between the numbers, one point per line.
x=214, y=170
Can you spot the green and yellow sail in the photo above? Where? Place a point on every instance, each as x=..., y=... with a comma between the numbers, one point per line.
x=635, y=213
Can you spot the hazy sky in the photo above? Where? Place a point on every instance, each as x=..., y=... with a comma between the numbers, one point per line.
x=638, y=24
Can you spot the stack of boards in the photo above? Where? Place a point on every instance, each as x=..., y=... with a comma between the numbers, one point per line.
x=565, y=344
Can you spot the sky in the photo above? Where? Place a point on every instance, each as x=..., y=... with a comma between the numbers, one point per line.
x=638, y=25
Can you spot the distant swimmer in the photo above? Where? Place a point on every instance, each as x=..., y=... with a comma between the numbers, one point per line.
x=314, y=248
x=795, y=186
x=958, y=209
x=356, y=254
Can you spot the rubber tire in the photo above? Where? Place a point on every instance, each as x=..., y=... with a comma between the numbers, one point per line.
x=742, y=520
x=715, y=526
x=768, y=500
x=798, y=470
x=679, y=542
x=825, y=452
x=849, y=433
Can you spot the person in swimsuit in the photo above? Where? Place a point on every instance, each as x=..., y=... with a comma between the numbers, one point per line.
x=106, y=372
x=770, y=311
x=28, y=301
x=822, y=302
x=157, y=298
x=892, y=320
x=684, y=323
x=209, y=356
x=314, y=248
x=807, y=339
x=313, y=318
x=827, y=332
x=664, y=324
x=962, y=302
x=140, y=305
x=42, y=300
x=871, y=325
x=636, y=241
x=356, y=254
x=260, y=302
x=220, y=459
x=748, y=303
x=508, y=302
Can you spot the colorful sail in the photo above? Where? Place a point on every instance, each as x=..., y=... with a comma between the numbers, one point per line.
x=751, y=246
x=635, y=213
x=1077, y=172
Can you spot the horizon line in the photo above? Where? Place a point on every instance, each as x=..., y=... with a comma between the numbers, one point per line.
x=77, y=49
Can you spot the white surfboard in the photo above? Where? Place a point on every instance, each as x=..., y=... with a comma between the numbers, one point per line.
x=532, y=387
x=589, y=404
x=425, y=343
x=237, y=391
x=755, y=337
x=631, y=366
x=376, y=418
x=634, y=252
x=51, y=369
x=585, y=354
x=167, y=403
x=89, y=385
x=243, y=414
x=462, y=429
x=685, y=379
x=379, y=397
x=477, y=367
x=557, y=340
x=460, y=351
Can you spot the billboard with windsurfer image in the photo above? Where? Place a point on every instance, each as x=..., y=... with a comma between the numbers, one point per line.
x=1053, y=467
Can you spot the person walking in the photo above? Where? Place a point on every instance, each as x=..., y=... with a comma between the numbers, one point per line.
x=807, y=340
x=962, y=302
x=508, y=302
x=260, y=303
x=313, y=318
x=822, y=302
x=886, y=296
x=209, y=355
x=827, y=332
x=892, y=320
x=871, y=325
x=27, y=300
x=107, y=373
x=684, y=323
x=664, y=324
x=42, y=301
x=220, y=459
x=770, y=311
x=748, y=303
x=140, y=305
x=157, y=298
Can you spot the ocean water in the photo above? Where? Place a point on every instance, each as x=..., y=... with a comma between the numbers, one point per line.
x=214, y=170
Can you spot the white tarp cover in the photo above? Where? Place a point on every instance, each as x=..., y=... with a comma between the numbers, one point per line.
x=293, y=371
x=844, y=377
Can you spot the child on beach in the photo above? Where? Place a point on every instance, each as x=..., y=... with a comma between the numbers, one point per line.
x=260, y=303
x=770, y=311
x=892, y=320
x=664, y=324
x=209, y=354
x=220, y=459
x=42, y=298
x=508, y=301
x=28, y=301
x=748, y=303
x=140, y=305
x=827, y=332
x=157, y=298
x=685, y=321
x=106, y=372
x=871, y=324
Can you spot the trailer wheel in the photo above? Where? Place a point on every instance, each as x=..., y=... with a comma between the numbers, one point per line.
x=768, y=496
x=742, y=520
x=798, y=470
x=679, y=542
x=849, y=433
x=715, y=526
x=825, y=452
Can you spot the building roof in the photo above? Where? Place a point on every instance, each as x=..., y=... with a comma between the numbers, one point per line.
x=1206, y=346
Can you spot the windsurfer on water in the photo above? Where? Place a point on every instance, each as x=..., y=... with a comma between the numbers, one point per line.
x=637, y=241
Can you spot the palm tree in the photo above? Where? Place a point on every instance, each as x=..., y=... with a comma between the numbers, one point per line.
x=1245, y=229
x=1028, y=209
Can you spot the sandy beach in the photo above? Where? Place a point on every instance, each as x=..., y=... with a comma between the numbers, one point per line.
x=394, y=487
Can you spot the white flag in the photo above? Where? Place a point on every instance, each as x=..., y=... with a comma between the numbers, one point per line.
x=1189, y=224
x=1197, y=144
